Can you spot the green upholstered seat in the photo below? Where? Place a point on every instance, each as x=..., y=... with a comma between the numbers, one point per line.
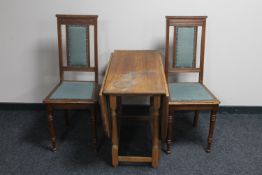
x=185, y=47
x=75, y=90
x=188, y=92
x=77, y=45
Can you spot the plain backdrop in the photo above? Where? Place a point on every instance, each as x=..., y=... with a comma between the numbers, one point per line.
x=29, y=56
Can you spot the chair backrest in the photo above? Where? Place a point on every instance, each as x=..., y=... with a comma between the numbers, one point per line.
x=74, y=44
x=188, y=43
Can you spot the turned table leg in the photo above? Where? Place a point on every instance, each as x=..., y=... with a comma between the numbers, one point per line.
x=155, y=131
x=113, y=107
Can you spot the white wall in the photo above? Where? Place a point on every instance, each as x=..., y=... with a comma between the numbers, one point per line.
x=28, y=44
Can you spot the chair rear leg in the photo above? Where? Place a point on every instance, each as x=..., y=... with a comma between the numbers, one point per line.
x=169, y=133
x=211, y=130
x=67, y=118
x=51, y=128
x=94, y=127
x=196, y=118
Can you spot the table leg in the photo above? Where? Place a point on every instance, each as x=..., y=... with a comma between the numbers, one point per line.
x=119, y=113
x=113, y=106
x=155, y=131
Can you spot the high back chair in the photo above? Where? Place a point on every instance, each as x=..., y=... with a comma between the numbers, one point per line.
x=75, y=55
x=184, y=53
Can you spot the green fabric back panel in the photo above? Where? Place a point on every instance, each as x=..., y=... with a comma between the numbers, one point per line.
x=188, y=92
x=74, y=90
x=185, y=44
x=77, y=45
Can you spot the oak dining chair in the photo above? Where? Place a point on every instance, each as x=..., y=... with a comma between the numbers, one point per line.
x=184, y=53
x=78, y=53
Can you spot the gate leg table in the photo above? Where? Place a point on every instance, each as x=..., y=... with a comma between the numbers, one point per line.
x=133, y=73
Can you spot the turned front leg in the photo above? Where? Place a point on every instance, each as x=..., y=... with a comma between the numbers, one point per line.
x=155, y=131
x=113, y=105
x=211, y=130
